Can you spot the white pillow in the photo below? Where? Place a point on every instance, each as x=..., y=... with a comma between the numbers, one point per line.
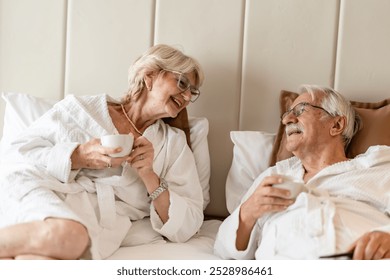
x=20, y=111
x=251, y=154
x=199, y=129
x=23, y=109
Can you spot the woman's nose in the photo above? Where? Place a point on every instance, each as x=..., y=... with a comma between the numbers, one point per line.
x=186, y=95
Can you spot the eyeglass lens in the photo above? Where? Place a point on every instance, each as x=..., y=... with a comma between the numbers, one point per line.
x=183, y=84
x=297, y=110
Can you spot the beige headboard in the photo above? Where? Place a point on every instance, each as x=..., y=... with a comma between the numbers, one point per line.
x=250, y=50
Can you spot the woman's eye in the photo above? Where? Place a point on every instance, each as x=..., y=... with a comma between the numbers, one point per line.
x=182, y=84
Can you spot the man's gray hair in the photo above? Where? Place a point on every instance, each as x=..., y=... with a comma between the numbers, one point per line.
x=333, y=102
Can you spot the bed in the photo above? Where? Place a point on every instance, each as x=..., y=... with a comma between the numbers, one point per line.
x=250, y=53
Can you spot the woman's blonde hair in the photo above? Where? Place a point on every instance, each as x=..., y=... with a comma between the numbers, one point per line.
x=157, y=59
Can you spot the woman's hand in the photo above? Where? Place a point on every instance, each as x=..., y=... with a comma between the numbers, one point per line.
x=93, y=155
x=141, y=157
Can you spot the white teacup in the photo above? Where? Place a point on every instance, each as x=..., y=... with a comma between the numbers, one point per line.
x=295, y=187
x=125, y=141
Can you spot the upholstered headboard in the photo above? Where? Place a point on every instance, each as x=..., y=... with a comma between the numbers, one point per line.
x=250, y=51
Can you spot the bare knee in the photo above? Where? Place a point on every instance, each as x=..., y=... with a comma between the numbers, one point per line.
x=67, y=239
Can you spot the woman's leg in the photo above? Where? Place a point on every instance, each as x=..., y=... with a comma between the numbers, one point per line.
x=53, y=238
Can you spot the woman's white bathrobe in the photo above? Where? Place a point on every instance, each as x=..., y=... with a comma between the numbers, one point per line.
x=344, y=201
x=105, y=201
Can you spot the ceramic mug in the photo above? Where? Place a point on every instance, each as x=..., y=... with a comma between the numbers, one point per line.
x=295, y=187
x=125, y=141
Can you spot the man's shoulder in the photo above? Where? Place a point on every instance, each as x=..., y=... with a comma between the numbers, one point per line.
x=375, y=155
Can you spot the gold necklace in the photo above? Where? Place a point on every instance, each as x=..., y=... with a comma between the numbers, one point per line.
x=128, y=118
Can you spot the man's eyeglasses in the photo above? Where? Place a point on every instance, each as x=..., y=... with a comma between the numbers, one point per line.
x=298, y=109
x=184, y=84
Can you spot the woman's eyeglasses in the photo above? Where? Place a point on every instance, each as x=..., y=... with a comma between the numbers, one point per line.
x=184, y=84
x=298, y=109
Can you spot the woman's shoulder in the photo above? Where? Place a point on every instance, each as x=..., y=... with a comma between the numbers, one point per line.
x=86, y=99
x=76, y=104
x=172, y=132
x=162, y=130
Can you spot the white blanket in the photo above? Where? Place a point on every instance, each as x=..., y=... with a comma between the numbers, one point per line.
x=103, y=200
x=343, y=202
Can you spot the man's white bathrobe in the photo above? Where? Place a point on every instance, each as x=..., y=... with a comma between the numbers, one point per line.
x=37, y=181
x=343, y=201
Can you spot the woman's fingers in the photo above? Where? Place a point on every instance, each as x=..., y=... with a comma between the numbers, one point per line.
x=93, y=155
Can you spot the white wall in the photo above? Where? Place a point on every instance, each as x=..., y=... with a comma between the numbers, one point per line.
x=250, y=50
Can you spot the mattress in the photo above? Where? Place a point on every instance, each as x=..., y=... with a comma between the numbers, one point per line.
x=199, y=247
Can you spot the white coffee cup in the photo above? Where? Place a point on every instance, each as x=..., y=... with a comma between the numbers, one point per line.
x=295, y=187
x=125, y=141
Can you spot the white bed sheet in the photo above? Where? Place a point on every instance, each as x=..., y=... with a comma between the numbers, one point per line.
x=199, y=247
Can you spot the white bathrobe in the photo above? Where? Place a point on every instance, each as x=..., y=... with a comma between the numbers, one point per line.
x=105, y=201
x=342, y=202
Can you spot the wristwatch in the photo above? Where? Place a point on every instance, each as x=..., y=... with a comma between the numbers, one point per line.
x=162, y=188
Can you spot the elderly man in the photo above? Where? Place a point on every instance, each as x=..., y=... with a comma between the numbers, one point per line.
x=345, y=208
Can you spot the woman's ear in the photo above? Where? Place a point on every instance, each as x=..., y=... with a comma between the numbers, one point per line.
x=148, y=80
x=338, y=125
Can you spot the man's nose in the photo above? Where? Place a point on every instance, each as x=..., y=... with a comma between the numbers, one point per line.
x=289, y=118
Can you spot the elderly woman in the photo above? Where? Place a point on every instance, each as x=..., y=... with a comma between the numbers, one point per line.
x=62, y=196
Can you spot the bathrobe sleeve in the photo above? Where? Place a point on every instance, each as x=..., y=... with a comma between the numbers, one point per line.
x=41, y=145
x=225, y=243
x=185, y=192
x=50, y=141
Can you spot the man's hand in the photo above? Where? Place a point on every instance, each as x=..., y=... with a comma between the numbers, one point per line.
x=265, y=199
x=372, y=246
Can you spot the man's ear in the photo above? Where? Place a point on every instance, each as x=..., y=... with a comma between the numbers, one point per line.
x=338, y=125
